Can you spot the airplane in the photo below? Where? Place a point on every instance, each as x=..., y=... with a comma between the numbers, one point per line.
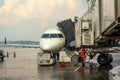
x=52, y=41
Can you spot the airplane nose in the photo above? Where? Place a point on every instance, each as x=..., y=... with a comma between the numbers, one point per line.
x=45, y=47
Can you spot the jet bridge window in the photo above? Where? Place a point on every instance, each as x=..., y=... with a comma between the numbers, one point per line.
x=45, y=36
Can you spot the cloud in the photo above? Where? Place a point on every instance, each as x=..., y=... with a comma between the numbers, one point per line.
x=17, y=10
x=46, y=13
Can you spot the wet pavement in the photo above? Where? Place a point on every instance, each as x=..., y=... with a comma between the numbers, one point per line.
x=24, y=67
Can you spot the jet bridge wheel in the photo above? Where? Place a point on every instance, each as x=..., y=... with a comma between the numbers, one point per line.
x=110, y=58
x=104, y=59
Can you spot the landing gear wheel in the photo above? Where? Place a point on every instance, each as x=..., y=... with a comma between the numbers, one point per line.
x=102, y=59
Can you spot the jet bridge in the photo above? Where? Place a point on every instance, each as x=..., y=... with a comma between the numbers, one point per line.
x=95, y=30
x=98, y=30
x=111, y=35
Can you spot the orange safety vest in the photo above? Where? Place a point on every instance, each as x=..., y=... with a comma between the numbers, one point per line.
x=82, y=54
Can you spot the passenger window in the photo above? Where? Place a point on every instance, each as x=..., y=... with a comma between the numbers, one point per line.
x=45, y=36
x=60, y=35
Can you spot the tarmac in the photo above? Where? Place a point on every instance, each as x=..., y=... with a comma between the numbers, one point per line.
x=23, y=66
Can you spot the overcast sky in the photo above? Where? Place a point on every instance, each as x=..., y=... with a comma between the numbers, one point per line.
x=27, y=19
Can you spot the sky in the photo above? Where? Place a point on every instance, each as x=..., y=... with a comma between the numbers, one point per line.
x=28, y=19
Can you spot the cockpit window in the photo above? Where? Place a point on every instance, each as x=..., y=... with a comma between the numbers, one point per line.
x=45, y=36
x=53, y=36
x=60, y=35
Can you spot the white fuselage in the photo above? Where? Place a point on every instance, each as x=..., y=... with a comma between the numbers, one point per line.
x=53, y=40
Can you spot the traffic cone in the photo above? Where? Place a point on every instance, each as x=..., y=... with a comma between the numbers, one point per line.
x=62, y=63
x=7, y=54
x=14, y=55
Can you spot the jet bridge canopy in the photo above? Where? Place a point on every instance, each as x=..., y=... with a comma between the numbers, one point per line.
x=111, y=34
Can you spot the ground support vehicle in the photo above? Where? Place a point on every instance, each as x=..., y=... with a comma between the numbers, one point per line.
x=45, y=59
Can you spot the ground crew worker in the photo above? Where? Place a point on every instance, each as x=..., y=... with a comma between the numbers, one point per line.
x=82, y=55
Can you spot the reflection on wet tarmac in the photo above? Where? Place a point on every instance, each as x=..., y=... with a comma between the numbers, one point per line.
x=24, y=67
x=83, y=73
